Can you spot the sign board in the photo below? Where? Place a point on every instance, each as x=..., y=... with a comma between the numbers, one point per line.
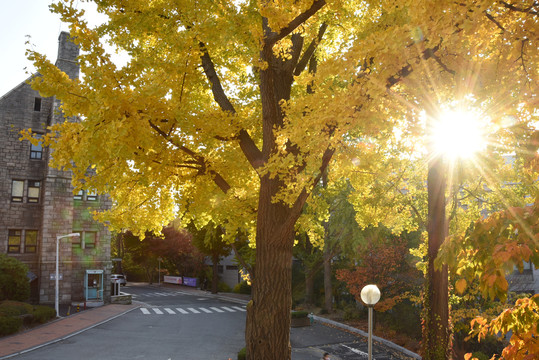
x=188, y=281
x=53, y=276
x=172, y=279
x=94, y=271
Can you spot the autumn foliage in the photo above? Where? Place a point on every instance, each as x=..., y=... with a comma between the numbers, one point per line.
x=382, y=262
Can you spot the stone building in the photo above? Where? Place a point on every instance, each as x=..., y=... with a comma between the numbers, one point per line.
x=38, y=205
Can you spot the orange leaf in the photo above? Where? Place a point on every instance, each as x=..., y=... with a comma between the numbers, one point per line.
x=460, y=285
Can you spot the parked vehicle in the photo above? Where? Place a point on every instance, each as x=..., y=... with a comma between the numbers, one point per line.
x=118, y=278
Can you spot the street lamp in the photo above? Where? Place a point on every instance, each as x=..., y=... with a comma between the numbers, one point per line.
x=57, y=275
x=370, y=294
x=159, y=271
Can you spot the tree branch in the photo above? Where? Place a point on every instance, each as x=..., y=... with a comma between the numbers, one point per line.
x=247, y=145
x=242, y=261
x=302, y=63
x=491, y=18
x=200, y=160
x=273, y=37
x=524, y=10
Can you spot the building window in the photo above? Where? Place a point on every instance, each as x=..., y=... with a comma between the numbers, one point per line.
x=17, y=190
x=232, y=267
x=90, y=239
x=14, y=241
x=36, y=151
x=30, y=241
x=76, y=241
x=37, y=104
x=91, y=195
x=219, y=269
x=79, y=195
x=33, y=191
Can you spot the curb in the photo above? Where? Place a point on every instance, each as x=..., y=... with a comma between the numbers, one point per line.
x=67, y=336
x=363, y=333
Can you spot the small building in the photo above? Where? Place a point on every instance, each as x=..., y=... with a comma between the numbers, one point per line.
x=38, y=205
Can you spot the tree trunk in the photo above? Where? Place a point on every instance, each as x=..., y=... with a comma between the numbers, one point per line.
x=267, y=332
x=309, y=286
x=436, y=332
x=328, y=288
x=215, y=274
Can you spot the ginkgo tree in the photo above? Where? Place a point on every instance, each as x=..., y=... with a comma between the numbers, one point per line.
x=230, y=111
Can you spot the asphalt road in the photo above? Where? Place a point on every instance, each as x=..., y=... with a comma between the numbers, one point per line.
x=169, y=325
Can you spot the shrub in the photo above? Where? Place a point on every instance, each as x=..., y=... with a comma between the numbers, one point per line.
x=242, y=354
x=9, y=325
x=242, y=288
x=299, y=314
x=14, y=283
x=480, y=356
x=223, y=287
x=42, y=314
x=14, y=308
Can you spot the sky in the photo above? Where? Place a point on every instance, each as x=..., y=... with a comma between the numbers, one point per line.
x=19, y=18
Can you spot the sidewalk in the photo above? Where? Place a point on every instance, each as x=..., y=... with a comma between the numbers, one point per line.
x=60, y=329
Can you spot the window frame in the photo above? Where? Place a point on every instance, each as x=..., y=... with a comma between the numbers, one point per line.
x=36, y=150
x=9, y=238
x=89, y=244
x=79, y=196
x=37, y=104
x=17, y=198
x=32, y=185
x=28, y=246
x=91, y=195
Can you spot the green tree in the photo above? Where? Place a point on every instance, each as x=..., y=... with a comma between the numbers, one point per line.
x=221, y=113
x=14, y=284
x=209, y=241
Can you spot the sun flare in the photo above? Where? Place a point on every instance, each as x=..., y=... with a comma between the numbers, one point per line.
x=459, y=134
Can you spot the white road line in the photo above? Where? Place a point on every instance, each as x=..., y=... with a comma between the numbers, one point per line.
x=145, y=311
x=205, y=310
x=238, y=308
x=170, y=311
x=157, y=311
x=228, y=309
x=182, y=311
x=359, y=352
x=193, y=310
x=217, y=310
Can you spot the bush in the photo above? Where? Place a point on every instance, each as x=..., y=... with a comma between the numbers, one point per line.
x=480, y=356
x=242, y=288
x=223, y=287
x=42, y=314
x=14, y=283
x=14, y=308
x=299, y=314
x=9, y=325
x=242, y=354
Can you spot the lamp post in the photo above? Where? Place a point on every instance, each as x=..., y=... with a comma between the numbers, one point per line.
x=159, y=271
x=57, y=275
x=370, y=294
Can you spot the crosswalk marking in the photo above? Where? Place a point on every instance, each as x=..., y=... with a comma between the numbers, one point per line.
x=190, y=310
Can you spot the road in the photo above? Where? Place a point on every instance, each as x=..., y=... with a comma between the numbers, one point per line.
x=170, y=324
